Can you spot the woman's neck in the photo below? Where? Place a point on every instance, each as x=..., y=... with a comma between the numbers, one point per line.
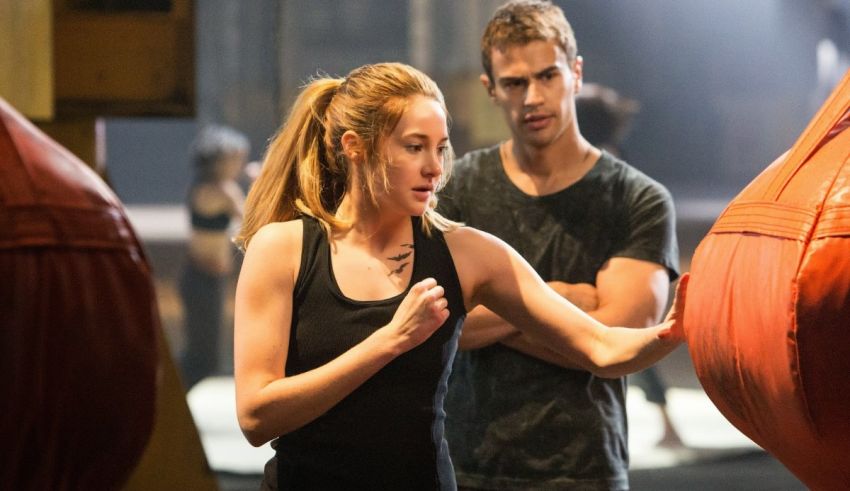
x=372, y=257
x=368, y=225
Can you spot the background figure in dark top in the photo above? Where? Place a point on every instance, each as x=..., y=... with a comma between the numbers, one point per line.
x=604, y=117
x=215, y=201
x=600, y=232
x=353, y=290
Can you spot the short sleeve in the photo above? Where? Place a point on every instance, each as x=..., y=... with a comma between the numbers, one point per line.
x=651, y=228
x=449, y=198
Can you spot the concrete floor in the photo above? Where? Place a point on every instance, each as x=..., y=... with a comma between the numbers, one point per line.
x=745, y=472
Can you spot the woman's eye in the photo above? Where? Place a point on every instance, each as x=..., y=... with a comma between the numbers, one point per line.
x=414, y=148
x=442, y=149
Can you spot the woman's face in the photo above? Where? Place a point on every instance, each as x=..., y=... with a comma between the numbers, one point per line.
x=415, y=151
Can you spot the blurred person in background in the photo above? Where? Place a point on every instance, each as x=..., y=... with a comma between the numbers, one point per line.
x=215, y=202
x=600, y=232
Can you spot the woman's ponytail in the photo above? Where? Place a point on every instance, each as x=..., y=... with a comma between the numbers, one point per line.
x=297, y=176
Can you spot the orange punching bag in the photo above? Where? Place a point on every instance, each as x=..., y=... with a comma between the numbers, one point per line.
x=768, y=313
x=78, y=322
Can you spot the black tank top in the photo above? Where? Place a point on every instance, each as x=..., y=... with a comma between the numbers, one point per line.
x=388, y=433
x=213, y=223
x=217, y=222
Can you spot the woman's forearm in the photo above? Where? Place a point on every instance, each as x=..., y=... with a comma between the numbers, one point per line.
x=623, y=350
x=286, y=404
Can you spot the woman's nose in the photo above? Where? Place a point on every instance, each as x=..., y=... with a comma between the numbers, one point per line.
x=435, y=165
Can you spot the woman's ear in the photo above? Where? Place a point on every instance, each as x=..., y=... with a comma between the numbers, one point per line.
x=352, y=146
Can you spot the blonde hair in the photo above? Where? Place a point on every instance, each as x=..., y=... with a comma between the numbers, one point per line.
x=305, y=171
x=520, y=22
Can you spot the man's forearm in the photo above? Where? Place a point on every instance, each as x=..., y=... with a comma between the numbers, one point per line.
x=526, y=345
x=482, y=328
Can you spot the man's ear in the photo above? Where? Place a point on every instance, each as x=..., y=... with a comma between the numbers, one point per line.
x=352, y=146
x=485, y=81
x=578, y=73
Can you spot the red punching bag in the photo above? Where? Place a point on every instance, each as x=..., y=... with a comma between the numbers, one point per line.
x=78, y=322
x=768, y=313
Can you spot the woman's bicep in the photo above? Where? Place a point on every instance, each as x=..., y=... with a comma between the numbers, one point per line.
x=263, y=314
x=506, y=284
x=519, y=294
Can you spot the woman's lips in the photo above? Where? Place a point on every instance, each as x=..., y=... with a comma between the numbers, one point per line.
x=423, y=193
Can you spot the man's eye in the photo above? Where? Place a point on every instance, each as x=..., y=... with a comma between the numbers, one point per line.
x=511, y=84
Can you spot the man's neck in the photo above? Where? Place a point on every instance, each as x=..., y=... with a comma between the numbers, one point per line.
x=545, y=170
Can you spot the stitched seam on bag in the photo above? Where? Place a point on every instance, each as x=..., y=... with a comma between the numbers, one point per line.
x=52, y=226
x=835, y=221
x=768, y=218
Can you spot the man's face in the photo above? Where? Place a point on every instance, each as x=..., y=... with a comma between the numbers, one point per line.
x=535, y=87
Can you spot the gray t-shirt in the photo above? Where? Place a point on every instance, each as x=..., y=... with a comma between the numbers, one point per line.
x=517, y=422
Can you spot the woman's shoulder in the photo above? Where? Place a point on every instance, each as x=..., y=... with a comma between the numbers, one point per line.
x=469, y=240
x=272, y=259
x=277, y=237
x=479, y=258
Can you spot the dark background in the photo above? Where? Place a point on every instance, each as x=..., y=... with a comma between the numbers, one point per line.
x=725, y=86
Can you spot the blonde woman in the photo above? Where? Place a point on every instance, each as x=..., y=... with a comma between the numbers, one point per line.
x=353, y=291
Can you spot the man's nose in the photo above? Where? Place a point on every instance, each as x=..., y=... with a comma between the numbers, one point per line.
x=534, y=94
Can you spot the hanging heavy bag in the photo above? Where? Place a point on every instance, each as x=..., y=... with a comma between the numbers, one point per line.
x=78, y=321
x=768, y=313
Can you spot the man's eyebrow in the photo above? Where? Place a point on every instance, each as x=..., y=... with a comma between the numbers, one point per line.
x=546, y=71
x=518, y=78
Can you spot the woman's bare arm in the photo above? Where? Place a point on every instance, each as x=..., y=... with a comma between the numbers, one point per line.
x=507, y=285
x=483, y=327
x=629, y=293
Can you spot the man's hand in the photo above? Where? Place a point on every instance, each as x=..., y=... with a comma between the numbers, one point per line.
x=482, y=328
x=582, y=295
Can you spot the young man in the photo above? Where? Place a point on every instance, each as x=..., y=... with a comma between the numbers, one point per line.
x=599, y=231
